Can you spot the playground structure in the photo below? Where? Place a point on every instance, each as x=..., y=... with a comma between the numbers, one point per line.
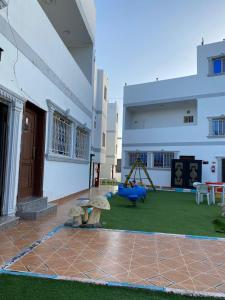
x=132, y=190
x=137, y=166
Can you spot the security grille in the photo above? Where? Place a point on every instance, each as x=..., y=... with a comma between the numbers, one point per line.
x=61, y=139
x=218, y=127
x=82, y=143
x=162, y=159
x=133, y=156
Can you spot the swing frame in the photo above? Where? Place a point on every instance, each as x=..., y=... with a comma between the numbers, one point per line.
x=138, y=164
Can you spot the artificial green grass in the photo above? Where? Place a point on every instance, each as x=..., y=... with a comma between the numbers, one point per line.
x=27, y=288
x=169, y=212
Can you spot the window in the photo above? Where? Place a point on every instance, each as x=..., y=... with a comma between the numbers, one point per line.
x=218, y=126
x=61, y=137
x=67, y=139
x=188, y=119
x=133, y=156
x=218, y=65
x=82, y=143
x=117, y=118
x=105, y=93
x=103, y=139
x=162, y=159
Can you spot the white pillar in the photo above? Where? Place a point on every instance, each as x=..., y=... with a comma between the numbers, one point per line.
x=13, y=157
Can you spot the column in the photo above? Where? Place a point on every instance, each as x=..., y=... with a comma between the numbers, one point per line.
x=13, y=157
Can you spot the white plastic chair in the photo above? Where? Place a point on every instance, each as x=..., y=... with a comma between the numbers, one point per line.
x=201, y=191
x=195, y=184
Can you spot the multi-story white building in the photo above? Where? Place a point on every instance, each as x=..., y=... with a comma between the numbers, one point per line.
x=99, y=124
x=181, y=117
x=46, y=97
x=109, y=168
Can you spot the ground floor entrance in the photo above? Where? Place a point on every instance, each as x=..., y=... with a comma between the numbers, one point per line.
x=32, y=153
x=184, y=172
x=3, y=149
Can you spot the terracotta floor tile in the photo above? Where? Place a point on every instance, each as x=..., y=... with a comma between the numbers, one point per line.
x=113, y=268
x=141, y=259
x=208, y=279
x=221, y=288
x=146, y=272
x=176, y=276
x=97, y=274
x=160, y=281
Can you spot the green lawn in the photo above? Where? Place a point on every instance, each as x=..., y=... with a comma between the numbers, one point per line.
x=163, y=212
x=26, y=288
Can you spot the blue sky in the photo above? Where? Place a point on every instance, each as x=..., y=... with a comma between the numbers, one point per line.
x=139, y=40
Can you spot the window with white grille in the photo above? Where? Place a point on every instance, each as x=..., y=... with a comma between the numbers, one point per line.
x=217, y=126
x=162, y=159
x=82, y=143
x=133, y=156
x=61, y=135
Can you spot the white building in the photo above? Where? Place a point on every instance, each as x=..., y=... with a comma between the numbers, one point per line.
x=109, y=168
x=99, y=124
x=179, y=117
x=46, y=97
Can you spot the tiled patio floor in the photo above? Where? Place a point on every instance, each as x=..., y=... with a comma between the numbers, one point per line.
x=13, y=240
x=160, y=260
x=150, y=260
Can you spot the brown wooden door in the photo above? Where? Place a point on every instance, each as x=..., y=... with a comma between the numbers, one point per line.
x=27, y=158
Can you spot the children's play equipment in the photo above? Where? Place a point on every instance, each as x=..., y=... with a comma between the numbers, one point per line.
x=138, y=191
x=137, y=167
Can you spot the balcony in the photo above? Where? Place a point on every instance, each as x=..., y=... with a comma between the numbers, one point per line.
x=164, y=115
x=74, y=22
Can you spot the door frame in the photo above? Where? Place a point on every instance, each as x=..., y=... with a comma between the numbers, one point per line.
x=15, y=104
x=219, y=167
x=40, y=151
x=4, y=157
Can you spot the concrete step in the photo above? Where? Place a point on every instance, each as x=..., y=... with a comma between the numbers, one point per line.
x=32, y=204
x=8, y=221
x=35, y=214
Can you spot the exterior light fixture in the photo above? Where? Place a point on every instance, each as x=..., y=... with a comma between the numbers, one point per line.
x=1, y=50
x=3, y=4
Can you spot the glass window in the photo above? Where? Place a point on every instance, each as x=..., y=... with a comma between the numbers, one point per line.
x=61, y=137
x=218, y=127
x=217, y=66
x=188, y=119
x=103, y=139
x=82, y=143
x=105, y=93
x=162, y=159
x=133, y=156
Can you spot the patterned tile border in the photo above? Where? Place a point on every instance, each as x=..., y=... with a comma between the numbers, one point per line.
x=200, y=237
x=118, y=284
x=50, y=234
x=31, y=247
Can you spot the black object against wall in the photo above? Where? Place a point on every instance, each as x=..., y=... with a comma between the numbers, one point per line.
x=185, y=172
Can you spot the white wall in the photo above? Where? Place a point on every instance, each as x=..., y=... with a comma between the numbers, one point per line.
x=45, y=69
x=163, y=115
x=111, y=141
x=162, y=129
x=100, y=116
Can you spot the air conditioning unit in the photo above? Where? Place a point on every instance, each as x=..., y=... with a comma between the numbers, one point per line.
x=3, y=4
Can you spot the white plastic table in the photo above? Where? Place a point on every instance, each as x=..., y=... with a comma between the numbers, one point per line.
x=212, y=191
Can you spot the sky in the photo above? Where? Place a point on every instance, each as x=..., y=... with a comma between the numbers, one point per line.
x=139, y=40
